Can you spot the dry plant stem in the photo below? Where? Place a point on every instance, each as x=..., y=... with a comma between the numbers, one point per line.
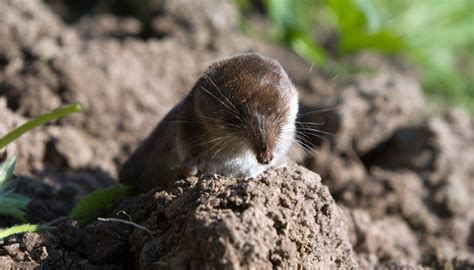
x=55, y=221
x=126, y=222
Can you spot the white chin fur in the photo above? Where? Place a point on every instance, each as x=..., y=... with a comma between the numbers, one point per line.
x=243, y=164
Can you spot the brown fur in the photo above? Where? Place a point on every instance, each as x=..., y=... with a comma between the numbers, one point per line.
x=241, y=100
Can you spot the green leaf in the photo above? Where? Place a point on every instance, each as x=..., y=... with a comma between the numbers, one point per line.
x=97, y=203
x=348, y=15
x=14, y=200
x=6, y=171
x=372, y=18
x=22, y=229
x=282, y=12
x=13, y=204
x=383, y=41
x=38, y=121
x=359, y=27
x=13, y=212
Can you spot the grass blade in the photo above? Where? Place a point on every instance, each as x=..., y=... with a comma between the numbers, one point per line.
x=22, y=229
x=13, y=204
x=14, y=200
x=6, y=171
x=13, y=212
x=38, y=121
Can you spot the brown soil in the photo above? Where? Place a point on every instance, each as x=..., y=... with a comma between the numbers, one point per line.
x=284, y=218
x=401, y=178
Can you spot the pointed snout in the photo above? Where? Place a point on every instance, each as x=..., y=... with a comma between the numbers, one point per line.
x=263, y=139
x=265, y=157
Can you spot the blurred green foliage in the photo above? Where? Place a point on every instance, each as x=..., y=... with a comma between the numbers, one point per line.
x=437, y=36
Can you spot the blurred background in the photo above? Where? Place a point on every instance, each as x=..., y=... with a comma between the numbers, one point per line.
x=436, y=37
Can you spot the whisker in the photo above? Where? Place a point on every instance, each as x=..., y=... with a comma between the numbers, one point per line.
x=222, y=93
x=310, y=70
x=308, y=148
x=180, y=122
x=304, y=136
x=233, y=125
x=318, y=131
x=217, y=143
x=335, y=77
x=323, y=110
x=226, y=155
x=203, y=117
x=204, y=140
x=232, y=111
x=319, y=136
x=311, y=123
x=221, y=147
x=306, y=140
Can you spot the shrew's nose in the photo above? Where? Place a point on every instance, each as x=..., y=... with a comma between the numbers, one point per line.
x=264, y=157
x=262, y=137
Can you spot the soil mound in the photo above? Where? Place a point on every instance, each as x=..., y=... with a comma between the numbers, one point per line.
x=284, y=218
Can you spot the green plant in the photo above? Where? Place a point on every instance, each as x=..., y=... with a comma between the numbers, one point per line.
x=22, y=229
x=356, y=22
x=359, y=28
x=87, y=209
x=97, y=203
x=13, y=204
x=291, y=22
x=38, y=121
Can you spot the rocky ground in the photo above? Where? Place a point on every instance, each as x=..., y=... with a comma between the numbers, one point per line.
x=396, y=180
